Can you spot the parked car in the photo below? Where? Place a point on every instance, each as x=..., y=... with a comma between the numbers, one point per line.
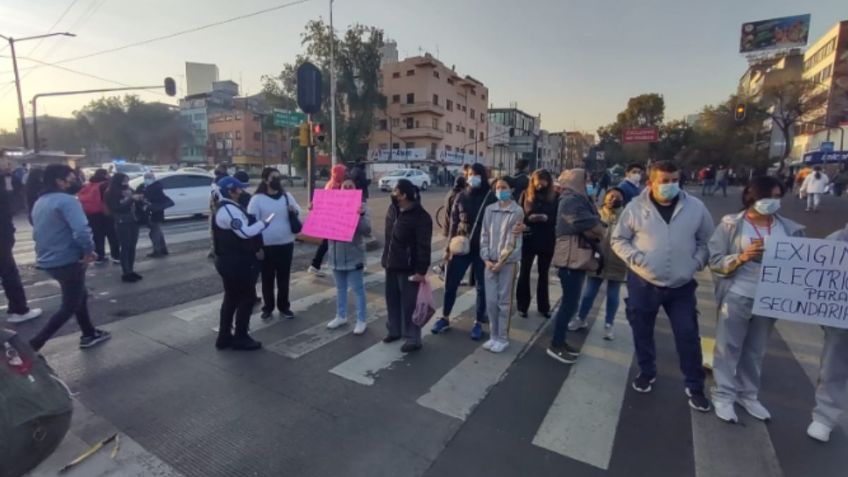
x=131, y=169
x=418, y=178
x=160, y=169
x=194, y=170
x=190, y=192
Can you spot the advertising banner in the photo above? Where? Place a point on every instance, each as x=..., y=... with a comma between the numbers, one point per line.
x=634, y=135
x=804, y=280
x=784, y=32
x=416, y=154
x=334, y=215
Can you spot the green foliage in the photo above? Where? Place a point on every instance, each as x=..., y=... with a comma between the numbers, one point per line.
x=357, y=59
x=646, y=110
x=299, y=159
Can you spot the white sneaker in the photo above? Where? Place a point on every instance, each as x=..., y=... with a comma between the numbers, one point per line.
x=337, y=322
x=819, y=431
x=316, y=271
x=755, y=408
x=725, y=412
x=359, y=328
x=609, y=335
x=488, y=344
x=499, y=346
x=18, y=318
x=577, y=325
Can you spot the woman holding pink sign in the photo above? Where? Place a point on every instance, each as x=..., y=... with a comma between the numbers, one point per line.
x=271, y=199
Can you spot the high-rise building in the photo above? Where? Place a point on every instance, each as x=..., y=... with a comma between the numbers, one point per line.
x=388, y=53
x=432, y=115
x=195, y=110
x=826, y=65
x=524, y=127
x=200, y=77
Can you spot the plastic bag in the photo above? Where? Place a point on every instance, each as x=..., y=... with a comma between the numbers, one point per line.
x=425, y=306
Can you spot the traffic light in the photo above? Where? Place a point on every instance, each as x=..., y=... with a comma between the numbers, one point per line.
x=318, y=132
x=170, y=86
x=741, y=110
x=304, y=135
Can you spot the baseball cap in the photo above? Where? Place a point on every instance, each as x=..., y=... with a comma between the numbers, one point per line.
x=226, y=184
x=242, y=176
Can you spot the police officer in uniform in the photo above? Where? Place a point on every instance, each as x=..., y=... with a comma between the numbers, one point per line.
x=236, y=244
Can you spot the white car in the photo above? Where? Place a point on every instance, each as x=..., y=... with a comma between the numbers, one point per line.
x=131, y=169
x=418, y=178
x=190, y=192
x=196, y=170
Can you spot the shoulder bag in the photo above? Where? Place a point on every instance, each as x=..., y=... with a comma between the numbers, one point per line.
x=294, y=218
x=461, y=244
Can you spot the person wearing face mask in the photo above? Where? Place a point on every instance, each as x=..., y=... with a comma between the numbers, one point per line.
x=155, y=204
x=614, y=272
x=662, y=236
x=277, y=241
x=466, y=216
x=122, y=203
x=406, y=259
x=236, y=244
x=18, y=310
x=539, y=202
x=64, y=248
x=631, y=185
x=736, y=250
x=500, y=249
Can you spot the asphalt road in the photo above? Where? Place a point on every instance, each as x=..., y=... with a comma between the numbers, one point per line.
x=320, y=403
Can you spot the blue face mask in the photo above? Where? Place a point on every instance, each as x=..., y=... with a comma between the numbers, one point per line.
x=475, y=181
x=590, y=189
x=148, y=181
x=669, y=191
x=504, y=195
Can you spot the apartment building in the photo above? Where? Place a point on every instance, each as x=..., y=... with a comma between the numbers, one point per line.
x=826, y=64
x=238, y=137
x=433, y=115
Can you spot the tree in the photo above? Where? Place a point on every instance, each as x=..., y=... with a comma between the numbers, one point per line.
x=787, y=105
x=645, y=110
x=358, y=96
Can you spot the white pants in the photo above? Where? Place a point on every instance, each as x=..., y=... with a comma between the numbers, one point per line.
x=741, y=340
x=813, y=201
x=832, y=388
x=499, y=293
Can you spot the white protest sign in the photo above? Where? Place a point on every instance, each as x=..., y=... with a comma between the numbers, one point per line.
x=804, y=280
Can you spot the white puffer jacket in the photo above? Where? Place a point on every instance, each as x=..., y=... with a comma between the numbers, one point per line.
x=811, y=185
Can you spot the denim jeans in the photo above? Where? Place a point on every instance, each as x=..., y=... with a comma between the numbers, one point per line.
x=572, y=284
x=356, y=280
x=453, y=277
x=157, y=238
x=71, y=280
x=593, y=285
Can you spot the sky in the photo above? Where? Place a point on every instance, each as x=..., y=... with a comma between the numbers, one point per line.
x=575, y=63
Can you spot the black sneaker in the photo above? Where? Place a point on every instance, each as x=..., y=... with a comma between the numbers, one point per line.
x=265, y=315
x=129, y=278
x=522, y=314
x=98, y=337
x=410, y=347
x=698, y=401
x=390, y=339
x=561, y=354
x=223, y=342
x=288, y=314
x=571, y=350
x=136, y=276
x=245, y=343
x=642, y=384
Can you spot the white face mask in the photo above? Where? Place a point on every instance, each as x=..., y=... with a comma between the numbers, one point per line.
x=767, y=206
x=635, y=178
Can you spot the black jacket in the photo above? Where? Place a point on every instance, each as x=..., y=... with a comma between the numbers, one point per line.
x=540, y=235
x=7, y=227
x=154, y=194
x=357, y=174
x=522, y=181
x=408, y=236
x=467, y=208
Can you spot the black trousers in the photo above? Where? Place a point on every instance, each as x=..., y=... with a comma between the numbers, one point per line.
x=103, y=229
x=71, y=279
x=276, y=267
x=544, y=257
x=128, y=236
x=319, y=254
x=12, y=279
x=239, y=289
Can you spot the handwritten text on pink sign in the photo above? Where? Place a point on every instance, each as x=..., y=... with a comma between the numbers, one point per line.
x=334, y=215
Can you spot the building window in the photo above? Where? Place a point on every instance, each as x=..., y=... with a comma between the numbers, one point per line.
x=395, y=98
x=450, y=81
x=257, y=136
x=482, y=118
x=395, y=122
x=473, y=92
x=435, y=123
x=409, y=123
x=449, y=128
x=410, y=72
x=410, y=145
x=481, y=136
x=448, y=148
x=436, y=99
x=435, y=74
x=449, y=105
x=470, y=134
x=472, y=114
x=396, y=74
x=383, y=125
x=395, y=145
x=238, y=134
x=410, y=98
x=433, y=148
x=483, y=97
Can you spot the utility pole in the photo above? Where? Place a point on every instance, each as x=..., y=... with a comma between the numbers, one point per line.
x=12, y=42
x=332, y=87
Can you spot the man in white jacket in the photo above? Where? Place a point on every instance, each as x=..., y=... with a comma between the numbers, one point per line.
x=662, y=235
x=814, y=186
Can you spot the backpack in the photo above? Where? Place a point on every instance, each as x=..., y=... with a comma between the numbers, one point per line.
x=91, y=198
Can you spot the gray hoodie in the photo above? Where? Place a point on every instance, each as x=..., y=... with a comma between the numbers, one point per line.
x=346, y=256
x=663, y=254
x=726, y=245
x=496, y=236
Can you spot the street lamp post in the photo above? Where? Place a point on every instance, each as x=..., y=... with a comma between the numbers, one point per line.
x=12, y=42
x=332, y=87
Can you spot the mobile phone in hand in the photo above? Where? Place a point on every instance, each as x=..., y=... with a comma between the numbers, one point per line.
x=270, y=218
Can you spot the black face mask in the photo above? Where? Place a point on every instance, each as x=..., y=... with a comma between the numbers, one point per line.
x=73, y=188
x=395, y=200
x=617, y=204
x=275, y=184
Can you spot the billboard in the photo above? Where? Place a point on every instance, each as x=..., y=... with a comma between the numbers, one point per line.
x=635, y=135
x=784, y=32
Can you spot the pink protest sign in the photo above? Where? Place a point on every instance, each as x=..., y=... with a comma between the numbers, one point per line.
x=334, y=215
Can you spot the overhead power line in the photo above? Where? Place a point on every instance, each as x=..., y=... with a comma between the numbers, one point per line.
x=52, y=27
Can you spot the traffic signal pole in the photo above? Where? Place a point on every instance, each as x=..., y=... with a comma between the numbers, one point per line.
x=310, y=160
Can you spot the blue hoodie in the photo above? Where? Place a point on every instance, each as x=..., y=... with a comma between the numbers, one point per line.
x=60, y=230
